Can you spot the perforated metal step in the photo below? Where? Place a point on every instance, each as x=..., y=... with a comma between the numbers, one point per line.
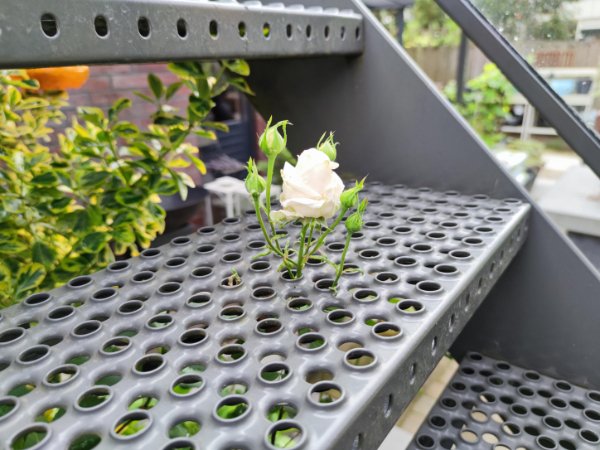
x=171, y=341
x=492, y=404
x=39, y=33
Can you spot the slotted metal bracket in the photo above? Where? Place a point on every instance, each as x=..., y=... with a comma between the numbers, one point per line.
x=38, y=33
x=346, y=363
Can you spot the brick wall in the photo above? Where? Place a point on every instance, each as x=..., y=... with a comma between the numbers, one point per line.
x=109, y=83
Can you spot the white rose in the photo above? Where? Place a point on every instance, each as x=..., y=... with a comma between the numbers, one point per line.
x=311, y=189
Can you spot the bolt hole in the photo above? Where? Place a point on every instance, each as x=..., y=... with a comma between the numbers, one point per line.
x=357, y=443
x=101, y=26
x=213, y=29
x=143, y=25
x=182, y=28
x=49, y=25
x=412, y=373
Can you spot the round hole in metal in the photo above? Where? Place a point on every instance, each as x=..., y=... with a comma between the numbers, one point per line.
x=49, y=25
x=231, y=354
x=149, y=364
x=311, y=341
x=326, y=394
x=131, y=425
x=116, y=345
x=386, y=330
x=232, y=408
x=93, y=398
x=192, y=337
x=187, y=385
x=33, y=354
x=11, y=335
x=285, y=434
x=37, y=299
x=34, y=436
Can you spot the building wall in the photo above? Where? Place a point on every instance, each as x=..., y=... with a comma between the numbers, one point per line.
x=109, y=83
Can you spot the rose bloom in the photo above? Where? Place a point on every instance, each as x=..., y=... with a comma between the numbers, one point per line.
x=311, y=189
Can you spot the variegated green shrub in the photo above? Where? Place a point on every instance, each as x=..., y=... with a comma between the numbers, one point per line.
x=71, y=210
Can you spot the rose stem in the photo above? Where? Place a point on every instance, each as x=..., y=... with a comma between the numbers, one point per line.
x=273, y=248
x=310, y=238
x=340, y=267
x=300, y=263
x=267, y=207
x=329, y=230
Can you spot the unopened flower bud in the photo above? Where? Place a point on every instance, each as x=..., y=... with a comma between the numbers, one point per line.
x=328, y=146
x=255, y=184
x=271, y=141
x=354, y=222
x=349, y=197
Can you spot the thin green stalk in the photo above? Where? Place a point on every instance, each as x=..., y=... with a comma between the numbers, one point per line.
x=267, y=207
x=274, y=248
x=340, y=267
x=327, y=232
x=270, y=168
x=300, y=262
x=310, y=237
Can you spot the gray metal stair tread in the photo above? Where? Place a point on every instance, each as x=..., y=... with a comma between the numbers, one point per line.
x=441, y=252
x=491, y=404
x=41, y=33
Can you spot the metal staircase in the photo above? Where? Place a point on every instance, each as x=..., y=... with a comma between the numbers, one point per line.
x=336, y=371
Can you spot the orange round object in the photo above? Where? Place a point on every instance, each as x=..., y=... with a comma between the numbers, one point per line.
x=60, y=78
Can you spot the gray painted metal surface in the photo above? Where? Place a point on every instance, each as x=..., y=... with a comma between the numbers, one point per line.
x=552, y=107
x=39, y=33
x=428, y=260
x=493, y=404
x=392, y=123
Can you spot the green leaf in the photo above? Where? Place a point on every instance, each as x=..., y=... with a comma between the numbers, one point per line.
x=186, y=69
x=186, y=428
x=5, y=274
x=156, y=86
x=172, y=89
x=93, y=180
x=198, y=163
x=199, y=107
x=143, y=97
x=128, y=197
x=241, y=84
x=10, y=245
x=124, y=234
x=94, y=242
x=92, y=115
x=29, y=278
x=238, y=66
x=43, y=254
x=25, y=84
x=117, y=107
x=220, y=126
x=206, y=134
x=168, y=120
x=125, y=129
x=45, y=179
x=167, y=187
